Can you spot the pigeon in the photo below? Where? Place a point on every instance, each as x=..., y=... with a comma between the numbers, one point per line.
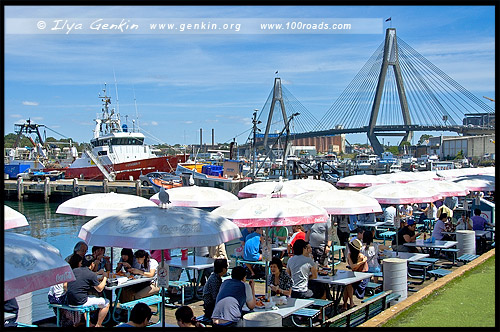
x=164, y=198
x=191, y=180
x=279, y=186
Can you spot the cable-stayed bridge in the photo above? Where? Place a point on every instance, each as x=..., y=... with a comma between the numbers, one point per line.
x=396, y=93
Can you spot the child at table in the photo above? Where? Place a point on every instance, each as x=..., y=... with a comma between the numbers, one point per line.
x=358, y=262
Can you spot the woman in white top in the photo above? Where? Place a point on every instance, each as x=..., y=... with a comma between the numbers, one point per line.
x=148, y=270
x=371, y=251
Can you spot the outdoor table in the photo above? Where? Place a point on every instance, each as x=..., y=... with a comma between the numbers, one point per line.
x=374, y=224
x=436, y=245
x=129, y=282
x=196, y=263
x=284, y=310
x=339, y=281
x=410, y=257
x=281, y=250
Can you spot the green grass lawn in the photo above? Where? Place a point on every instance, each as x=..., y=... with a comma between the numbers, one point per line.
x=466, y=301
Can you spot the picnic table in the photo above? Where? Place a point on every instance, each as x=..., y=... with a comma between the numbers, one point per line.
x=339, y=281
x=195, y=263
x=284, y=310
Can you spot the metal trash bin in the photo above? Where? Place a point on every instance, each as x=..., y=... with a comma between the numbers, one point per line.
x=262, y=319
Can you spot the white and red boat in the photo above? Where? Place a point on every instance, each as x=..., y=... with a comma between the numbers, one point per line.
x=118, y=153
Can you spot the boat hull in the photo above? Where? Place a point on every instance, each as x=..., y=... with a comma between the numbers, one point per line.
x=124, y=171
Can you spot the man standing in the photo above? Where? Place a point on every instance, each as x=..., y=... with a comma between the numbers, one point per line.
x=233, y=294
x=212, y=286
x=77, y=293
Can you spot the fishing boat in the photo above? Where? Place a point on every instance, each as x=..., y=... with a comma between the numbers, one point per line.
x=118, y=153
x=365, y=161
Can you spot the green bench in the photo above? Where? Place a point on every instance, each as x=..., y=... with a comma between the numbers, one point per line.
x=453, y=252
x=369, y=308
x=467, y=258
x=372, y=288
x=181, y=285
x=308, y=313
x=150, y=300
x=438, y=273
x=423, y=267
x=387, y=235
x=336, y=248
x=78, y=308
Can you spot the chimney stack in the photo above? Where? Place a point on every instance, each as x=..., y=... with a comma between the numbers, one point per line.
x=201, y=138
x=213, y=138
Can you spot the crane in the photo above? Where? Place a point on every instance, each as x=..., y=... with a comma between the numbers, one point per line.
x=493, y=100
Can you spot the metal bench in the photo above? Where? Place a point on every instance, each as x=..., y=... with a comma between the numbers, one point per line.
x=418, y=266
x=372, y=288
x=308, y=313
x=81, y=309
x=323, y=305
x=204, y=320
x=454, y=253
x=467, y=258
x=336, y=248
x=181, y=285
x=369, y=308
x=438, y=273
x=150, y=300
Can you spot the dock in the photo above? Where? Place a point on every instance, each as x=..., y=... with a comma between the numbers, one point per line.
x=63, y=189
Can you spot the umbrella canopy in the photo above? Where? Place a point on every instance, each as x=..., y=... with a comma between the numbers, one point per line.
x=361, y=181
x=342, y=202
x=401, y=193
x=399, y=177
x=153, y=228
x=445, y=188
x=312, y=185
x=93, y=205
x=265, y=212
x=12, y=218
x=477, y=182
x=195, y=196
x=31, y=264
x=266, y=188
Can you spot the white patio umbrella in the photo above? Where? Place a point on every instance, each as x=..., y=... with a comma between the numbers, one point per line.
x=361, y=181
x=13, y=218
x=312, y=185
x=154, y=228
x=195, y=196
x=268, y=212
x=399, y=177
x=93, y=205
x=445, y=188
x=31, y=264
x=341, y=202
x=401, y=193
x=266, y=188
x=477, y=182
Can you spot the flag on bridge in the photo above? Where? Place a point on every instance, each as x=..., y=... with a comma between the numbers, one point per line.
x=389, y=19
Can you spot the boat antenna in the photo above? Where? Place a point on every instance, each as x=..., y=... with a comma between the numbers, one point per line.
x=135, y=104
x=116, y=89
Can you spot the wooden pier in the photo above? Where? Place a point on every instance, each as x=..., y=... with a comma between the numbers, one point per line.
x=67, y=188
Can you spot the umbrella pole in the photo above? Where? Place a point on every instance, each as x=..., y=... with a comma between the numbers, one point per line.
x=162, y=314
x=267, y=262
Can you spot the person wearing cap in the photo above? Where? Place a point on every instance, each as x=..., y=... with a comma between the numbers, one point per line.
x=357, y=262
x=85, y=280
x=407, y=234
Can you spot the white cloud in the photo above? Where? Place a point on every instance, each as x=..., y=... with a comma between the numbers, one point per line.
x=30, y=103
x=154, y=123
x=16, y=116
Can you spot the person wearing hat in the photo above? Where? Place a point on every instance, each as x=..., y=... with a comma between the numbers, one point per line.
x=407, y=234
x=357, y=262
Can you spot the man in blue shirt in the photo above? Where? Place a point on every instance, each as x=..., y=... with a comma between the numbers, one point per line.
x=251, y=250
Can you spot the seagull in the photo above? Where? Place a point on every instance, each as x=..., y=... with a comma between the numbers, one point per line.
x=279, y=186
x=191, y=180
x=164, y=198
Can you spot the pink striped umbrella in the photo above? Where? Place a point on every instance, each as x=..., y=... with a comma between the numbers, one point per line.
x=194, y=196
x=401, y=193
x=265, y=189
x=13, y=219
x=31, y=264
x=342, y=202
x=445, y=188
x=361, y=181
x=477, y=182
x=266, y=212
x=400, y=177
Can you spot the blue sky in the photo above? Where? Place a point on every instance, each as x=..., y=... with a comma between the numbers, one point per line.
x=183, y=82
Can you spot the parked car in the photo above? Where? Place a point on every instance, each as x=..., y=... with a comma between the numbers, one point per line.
x=145, y=179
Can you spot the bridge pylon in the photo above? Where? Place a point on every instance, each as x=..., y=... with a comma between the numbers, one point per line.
x=390, y=58
x=277, y=97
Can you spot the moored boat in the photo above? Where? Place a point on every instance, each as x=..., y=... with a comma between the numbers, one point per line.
x=118, y=153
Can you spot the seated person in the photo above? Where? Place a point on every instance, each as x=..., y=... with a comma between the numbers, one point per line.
x=79, y=249
x=298, y=234
x=406, y=235
x=104, y=264
x=302, y=268
x=444, y=209
x=139, y=316
x=251, y=250
x=57, y=293
x=148, y=270
x=233, y=294
x=244, y=233
x=212, y=286
x=185, y=317
x=464, y=222
x=441, y=227
x=357, y=262
x=127, y=261
x=279, y=281
x=478, y=222
x=278, y=234
x=77, y=293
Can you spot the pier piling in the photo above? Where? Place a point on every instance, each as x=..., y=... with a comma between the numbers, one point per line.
x=20, y=189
